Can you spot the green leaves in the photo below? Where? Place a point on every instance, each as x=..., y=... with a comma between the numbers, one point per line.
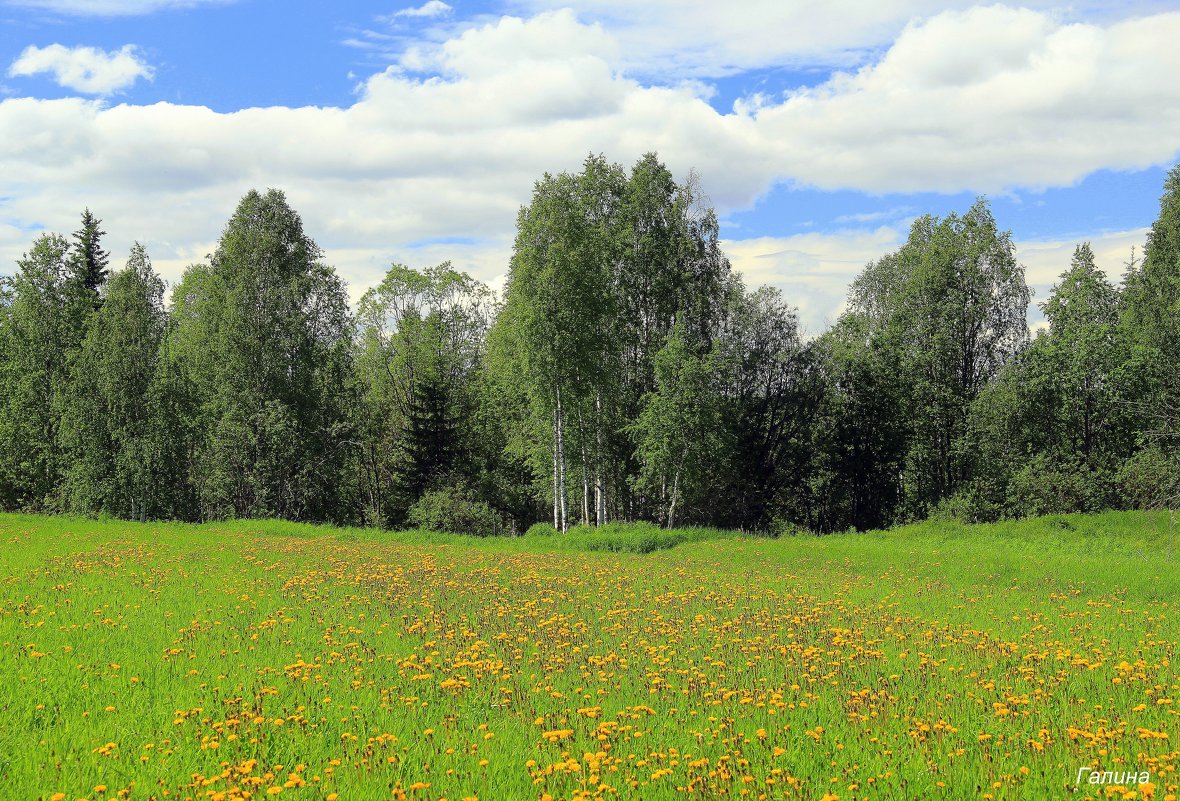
x=38, y=339
x=420, y=349
x=112, y=416
x=679, y=433
x=951, y=305
x=627, y=374
x=263, y=336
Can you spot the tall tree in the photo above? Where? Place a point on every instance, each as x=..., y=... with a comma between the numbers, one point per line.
x=111, y=417
x=1047, y=433
x=421, y=346
x=1151, y=319
x=1082, y=311
x=670, y=273
x=954, y=301
x=88, y=260
x=605, y=265
x=264, y=335
x=37, y=340
x=556, y=312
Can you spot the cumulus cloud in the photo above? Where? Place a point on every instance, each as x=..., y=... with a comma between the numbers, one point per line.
x=83, y=69
x=670, y=37
x=433, y=8
x=111, y=8
x=987, y=99
x=448, y=142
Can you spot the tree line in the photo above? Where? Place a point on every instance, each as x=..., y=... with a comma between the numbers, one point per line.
x=625, y=373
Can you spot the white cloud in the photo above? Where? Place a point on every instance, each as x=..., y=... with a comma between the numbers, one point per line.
x=83, y=69
x=111, y=8
x=433, y=8
x=512, y=45
x=876, y=216
x=448, y=142
x=664, y=37
x=987, y=99
x=710, y=39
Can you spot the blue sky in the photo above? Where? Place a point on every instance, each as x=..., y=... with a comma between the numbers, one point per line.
x=411, y=133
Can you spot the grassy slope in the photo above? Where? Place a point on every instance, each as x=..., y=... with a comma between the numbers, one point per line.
x=1041, y=646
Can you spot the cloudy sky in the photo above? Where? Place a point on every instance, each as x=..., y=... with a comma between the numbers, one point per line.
x=413, y=133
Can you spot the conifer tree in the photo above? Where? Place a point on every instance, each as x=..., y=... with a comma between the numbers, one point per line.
x=88, y=261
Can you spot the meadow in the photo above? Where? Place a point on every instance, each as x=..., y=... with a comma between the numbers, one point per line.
x=283, y=661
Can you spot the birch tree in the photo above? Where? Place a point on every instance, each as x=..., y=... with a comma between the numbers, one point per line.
x=110, y=419
x=264, y=334
x=37, y=338
x=422, y=337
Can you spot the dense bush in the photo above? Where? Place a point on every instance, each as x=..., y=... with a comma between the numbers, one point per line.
x=541, y=530
x=1042, y=488
x=1150, y=479
x=456, y=511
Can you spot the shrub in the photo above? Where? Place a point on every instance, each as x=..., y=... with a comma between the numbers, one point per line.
x=627, y=537
x=638, y=528
x=1042, y=487
x=541, y=530
x=968, y=505
x=453, y=510
x=1150, y=479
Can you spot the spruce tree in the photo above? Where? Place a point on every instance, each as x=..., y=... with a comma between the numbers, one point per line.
x=1150, y=317
x=431, y=438
x=88, y=260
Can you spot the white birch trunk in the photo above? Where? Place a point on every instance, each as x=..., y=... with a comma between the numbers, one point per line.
x=556, y=487
x=675, y=496
x=599, y=483
x=561, y=465
x=585, y=488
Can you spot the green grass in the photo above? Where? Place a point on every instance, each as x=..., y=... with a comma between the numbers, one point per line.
x=932, y=661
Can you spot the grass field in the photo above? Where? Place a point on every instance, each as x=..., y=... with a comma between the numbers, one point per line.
x=271, y=660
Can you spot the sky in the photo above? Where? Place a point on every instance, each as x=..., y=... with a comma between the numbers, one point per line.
x=413, y=133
